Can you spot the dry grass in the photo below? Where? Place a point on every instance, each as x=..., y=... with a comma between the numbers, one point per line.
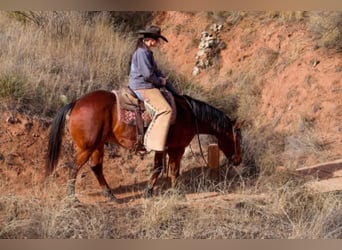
x=64, y=54
x=290, y=211
x=288, y=16
x=304, y=145
x=326, y=28
x=248, y=95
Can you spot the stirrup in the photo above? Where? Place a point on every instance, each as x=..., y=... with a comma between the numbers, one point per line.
x=141, y=150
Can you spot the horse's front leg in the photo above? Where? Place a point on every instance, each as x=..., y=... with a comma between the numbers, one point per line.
x=175, y=156
x=157, y=169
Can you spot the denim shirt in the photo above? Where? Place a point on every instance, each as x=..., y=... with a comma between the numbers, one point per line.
x=144, y=73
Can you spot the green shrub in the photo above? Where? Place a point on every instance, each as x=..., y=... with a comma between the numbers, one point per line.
x=14, y=87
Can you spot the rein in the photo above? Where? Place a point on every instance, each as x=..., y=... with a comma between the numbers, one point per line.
x=198, y=139
x=235, y=132
x=200, y=145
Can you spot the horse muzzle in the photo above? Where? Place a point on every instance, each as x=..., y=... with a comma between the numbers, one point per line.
x=236, y=160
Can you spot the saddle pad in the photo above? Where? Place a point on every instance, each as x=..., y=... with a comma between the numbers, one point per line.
x=128, y=117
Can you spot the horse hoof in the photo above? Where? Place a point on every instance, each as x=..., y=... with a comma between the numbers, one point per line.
x=181, y=196
x=112, y=199
x=148, y=193
x=176, y=193
x=110, y=196
x=73, y=199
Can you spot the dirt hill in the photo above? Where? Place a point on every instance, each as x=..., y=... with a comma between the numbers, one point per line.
x=296, y=79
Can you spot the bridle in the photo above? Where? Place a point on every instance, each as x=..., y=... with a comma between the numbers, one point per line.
x=236, y=133
x=199, y=144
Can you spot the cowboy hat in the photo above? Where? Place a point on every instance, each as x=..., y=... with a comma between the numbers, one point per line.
x=152, y=32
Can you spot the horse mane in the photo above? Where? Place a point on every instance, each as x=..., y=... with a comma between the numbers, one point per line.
x=207, y=113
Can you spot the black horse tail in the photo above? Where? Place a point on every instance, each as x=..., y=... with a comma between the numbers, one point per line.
x=55, y=138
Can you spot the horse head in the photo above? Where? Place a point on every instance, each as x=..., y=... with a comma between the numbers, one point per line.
x=229, y=141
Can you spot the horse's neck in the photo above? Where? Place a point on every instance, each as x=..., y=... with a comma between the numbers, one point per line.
x=205, y=128
x=185, y=113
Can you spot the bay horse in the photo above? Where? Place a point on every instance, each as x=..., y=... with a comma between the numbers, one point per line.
x=93, y=121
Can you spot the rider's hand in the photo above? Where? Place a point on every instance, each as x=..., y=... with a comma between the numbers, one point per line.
x=163, y=80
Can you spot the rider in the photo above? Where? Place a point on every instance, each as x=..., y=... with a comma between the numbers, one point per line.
x=145, y=79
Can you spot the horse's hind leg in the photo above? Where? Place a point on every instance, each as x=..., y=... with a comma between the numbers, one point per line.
x=71, y=183
x=97, y=159
x=82, y=158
